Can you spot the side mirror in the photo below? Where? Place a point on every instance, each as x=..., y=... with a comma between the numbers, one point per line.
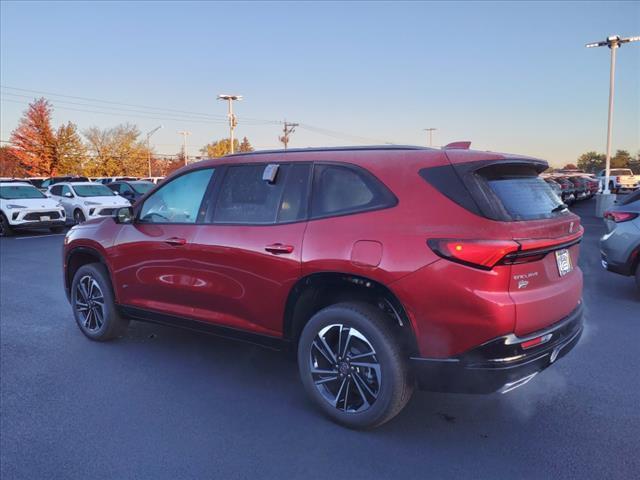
x=68, y=195
x=124, y=215
x=128, y=194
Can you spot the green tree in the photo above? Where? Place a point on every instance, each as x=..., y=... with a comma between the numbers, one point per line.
x=621, y=159
x=116, y=151
x=591, y=162
x=70, y=152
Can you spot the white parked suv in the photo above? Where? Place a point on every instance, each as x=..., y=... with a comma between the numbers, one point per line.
x=86, y=200
x=23, y=206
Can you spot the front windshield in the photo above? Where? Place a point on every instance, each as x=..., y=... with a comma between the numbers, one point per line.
x=620, y=172
x=93, y=191
x=142, y=187
x=12, y=192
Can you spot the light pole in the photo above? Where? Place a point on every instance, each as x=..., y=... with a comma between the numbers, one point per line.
x=185, y=134
x=430, y=130
x=613, y=42
x=149, y=146
x=233, y=121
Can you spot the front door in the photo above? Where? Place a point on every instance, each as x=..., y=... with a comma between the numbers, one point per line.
x=152, y=265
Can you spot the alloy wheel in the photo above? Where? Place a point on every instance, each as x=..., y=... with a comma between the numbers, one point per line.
x=345, y=368
x=89, y=303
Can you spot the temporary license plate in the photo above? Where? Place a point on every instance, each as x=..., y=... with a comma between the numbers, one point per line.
x=563, y=259
x=45, y=219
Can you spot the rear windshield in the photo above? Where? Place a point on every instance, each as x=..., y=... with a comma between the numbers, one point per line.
x=93, y=191
x=627, y=199
x=621, y=172
x=14, y=192
x=142, y=187
x=526, y=197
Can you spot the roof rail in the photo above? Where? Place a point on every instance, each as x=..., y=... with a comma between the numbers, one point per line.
x=457, y=146
x=334, y=149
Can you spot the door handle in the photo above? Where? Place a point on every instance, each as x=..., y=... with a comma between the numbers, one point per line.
x=176, y=241
x=279, y=248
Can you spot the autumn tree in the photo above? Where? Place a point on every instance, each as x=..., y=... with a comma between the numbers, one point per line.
x=10, y=165
x=70, y=152
x=116, y=151
x=220, y=148
x=34, y=140
x=245, y=146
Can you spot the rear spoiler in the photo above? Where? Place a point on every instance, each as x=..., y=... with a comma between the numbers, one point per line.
x=457, y=146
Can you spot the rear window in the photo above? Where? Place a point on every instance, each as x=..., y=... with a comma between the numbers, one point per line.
x=498, y=190
x=525, y=197
x=142, y=187
x=620, y=172
x=341, y=190
x=627, y=199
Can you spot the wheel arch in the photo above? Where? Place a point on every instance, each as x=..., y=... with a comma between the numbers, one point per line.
x=319, y=290
x=76, y=258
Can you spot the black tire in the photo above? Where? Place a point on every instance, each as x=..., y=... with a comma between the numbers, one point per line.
x=78, y=216
x=390, y=381
x=5, y=227
x=56, y=229
x=112, y=324
x=638, y=276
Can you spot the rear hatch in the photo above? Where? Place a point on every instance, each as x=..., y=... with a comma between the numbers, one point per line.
x=545, y=282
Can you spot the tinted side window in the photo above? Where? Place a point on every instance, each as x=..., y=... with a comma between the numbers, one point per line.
x=66, y=189
x=295, y=199
x=179, y=200
x=246, y=198
x=56, y=190
x=339, y=190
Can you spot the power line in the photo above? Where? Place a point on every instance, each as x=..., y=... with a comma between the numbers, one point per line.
x=194, y=117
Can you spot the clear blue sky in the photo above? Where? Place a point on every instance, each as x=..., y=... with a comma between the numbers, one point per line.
x=508, y=76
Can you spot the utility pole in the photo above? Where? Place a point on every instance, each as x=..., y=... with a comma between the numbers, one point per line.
x=288, y=129
x=149, y=146
x=233, y=121
x=430, y=130
x=185, y=134
x=613, y=42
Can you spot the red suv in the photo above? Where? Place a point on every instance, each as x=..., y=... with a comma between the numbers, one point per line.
x=382, y=267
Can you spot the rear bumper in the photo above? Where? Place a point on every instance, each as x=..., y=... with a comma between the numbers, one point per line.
x=500, y=364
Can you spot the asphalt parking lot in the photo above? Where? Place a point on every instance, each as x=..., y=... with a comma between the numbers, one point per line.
x=164, y=403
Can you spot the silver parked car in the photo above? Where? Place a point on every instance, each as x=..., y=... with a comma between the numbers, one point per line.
x=620, y=246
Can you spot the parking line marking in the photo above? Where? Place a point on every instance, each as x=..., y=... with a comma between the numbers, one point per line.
x=39, y=236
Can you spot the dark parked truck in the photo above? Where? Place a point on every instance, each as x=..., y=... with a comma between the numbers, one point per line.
x=383, y=268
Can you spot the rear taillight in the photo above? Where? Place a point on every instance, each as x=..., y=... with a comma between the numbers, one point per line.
x=620, y=217
x=484, y=254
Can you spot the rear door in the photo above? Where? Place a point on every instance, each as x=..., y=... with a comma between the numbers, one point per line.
x=249, y=249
